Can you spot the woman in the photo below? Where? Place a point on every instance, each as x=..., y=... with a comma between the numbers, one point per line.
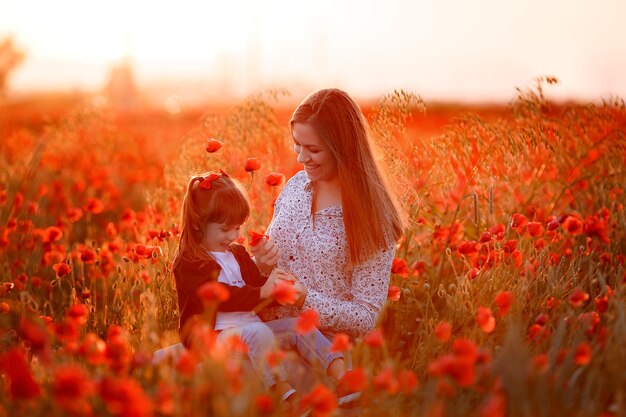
x=335, y=223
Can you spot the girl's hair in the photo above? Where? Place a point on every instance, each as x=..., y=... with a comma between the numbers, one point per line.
x=210, y=198
x=372, y=215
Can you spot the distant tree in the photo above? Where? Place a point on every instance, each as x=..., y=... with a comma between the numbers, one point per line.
x=10, y=58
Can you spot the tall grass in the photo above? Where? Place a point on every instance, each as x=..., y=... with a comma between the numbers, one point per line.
x=516, y=244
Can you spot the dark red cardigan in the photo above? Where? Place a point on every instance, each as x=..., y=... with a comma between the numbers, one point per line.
x=190, y=275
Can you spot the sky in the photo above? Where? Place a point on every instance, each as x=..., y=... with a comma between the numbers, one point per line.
x=442, y=50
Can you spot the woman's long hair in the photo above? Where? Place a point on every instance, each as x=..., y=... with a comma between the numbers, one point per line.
x=210, y=198
x=372, y=215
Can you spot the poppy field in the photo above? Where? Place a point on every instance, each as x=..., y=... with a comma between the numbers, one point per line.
x=507, y=296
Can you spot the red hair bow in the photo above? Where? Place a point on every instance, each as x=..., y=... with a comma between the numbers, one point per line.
x=206, y=183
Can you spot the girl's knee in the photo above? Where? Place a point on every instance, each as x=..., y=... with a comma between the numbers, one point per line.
x=259, y=334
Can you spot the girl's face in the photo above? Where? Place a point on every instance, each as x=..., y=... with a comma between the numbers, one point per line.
x=218, y=236
x=319, y=163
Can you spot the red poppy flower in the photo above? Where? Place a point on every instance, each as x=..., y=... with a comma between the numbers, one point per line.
x=386, y=381
x=354, y=380
x=459, y=368
x=577, y=298
x=399, y=267
x=469, y=247
x=443, y=331
x=94, y=206
x=22, y=385
x=393, y=293
x=255, y=237
x=485, y=319
x=78, y=314
x=535, y=229
x=540, y=363
x=341, y=343
x=93, y=349
x=274, y=179
x=276, y=357
x=518, y=221
x=213, y=292
x=214, y=145
x=504, y=300
x=553, y=225
x=252, y=164
x=62, y=269
x=71, y=387
x=497, y=230
x=264, y=404
x=87, y=256
x=321, y=400
x=52, y=234
x=582, y=354
x=472, y=273
x=374, y=339
x=284, y=292
x=407, y=380
x=308, y=321
x=125, y=397
x=510, y=245
x=485, y=237
x=573, y=225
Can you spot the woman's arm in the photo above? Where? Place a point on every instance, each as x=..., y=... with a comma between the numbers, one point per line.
x=356, y=317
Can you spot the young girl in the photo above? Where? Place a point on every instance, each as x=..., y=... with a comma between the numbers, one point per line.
x=214, y=208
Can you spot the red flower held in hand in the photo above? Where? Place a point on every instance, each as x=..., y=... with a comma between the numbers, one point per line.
x=214, y=145
x=284, y=292
x=213, y=292
x=252, y=164
x=273, y=179
x=255, y=237
x=308, y=321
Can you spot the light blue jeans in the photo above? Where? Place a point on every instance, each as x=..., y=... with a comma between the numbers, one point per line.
x=262, y=338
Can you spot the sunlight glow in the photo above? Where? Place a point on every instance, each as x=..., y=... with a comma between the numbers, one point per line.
x=444, y=48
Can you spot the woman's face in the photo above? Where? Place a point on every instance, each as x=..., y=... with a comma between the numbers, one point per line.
x=319, y=163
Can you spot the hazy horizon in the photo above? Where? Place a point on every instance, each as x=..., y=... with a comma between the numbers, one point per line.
x=447, y=50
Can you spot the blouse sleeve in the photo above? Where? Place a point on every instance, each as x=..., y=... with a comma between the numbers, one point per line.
x=356, y=317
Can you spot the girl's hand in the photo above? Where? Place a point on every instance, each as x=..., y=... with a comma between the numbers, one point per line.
x=299, y=287
x=266, y=254
x=302, y=293
x=277, y=274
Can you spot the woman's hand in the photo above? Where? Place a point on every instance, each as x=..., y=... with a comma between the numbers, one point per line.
x=266, y=254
